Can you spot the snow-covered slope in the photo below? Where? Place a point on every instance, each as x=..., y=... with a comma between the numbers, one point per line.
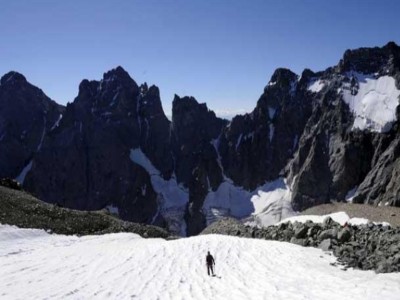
x=36, y=265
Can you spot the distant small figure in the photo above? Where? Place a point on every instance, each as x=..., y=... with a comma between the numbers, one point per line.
x=210, y=263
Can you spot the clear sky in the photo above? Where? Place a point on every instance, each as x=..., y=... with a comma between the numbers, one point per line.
x=222, y=52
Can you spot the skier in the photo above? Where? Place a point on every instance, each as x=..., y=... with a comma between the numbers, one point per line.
x=210, y=263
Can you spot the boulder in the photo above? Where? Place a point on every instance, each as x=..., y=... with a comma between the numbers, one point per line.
x=325, y=245
x=328, y=234
x=301, y=232
x=344, y=235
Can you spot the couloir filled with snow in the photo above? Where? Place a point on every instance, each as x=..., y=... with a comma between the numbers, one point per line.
x=37, y=265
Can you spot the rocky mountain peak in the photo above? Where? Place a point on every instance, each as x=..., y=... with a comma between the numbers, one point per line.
x=392, y=46
x=115, y=147
x=106, y=95
x=282, y=77
x=88, y=86
x=143, y=88
x=26, y=115
x=118, y=74
x=154, y=91
x=371, y=60
x=190, y=115
x=149, y=103
x=187, y=101
x=306, y=75
x=116, y=79
x=13, y=78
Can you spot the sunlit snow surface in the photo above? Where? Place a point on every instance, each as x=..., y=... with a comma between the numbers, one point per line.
x=36, y=265
x=373, y=102
x=316, y=86
x=264, y=206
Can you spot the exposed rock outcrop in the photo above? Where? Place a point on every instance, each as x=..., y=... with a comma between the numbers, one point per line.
x=342, y=147
x=256, y=147
x=26, y=116
x=366, y=247
x=21, y=209
x=84, y=163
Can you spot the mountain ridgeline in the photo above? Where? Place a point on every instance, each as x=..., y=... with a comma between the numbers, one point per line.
x=330, y=135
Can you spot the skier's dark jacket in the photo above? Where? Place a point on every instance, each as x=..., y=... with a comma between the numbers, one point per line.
x=210, y=260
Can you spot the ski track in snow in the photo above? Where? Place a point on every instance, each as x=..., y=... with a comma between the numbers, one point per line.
x=36, y=265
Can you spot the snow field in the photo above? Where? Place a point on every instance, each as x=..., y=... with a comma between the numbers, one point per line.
x=36, y=265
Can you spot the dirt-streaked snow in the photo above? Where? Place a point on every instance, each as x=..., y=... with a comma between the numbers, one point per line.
x=36, y=265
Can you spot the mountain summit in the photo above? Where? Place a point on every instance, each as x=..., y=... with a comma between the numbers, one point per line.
x=312, y=138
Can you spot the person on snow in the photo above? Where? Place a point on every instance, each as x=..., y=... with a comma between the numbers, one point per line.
x=210, y=263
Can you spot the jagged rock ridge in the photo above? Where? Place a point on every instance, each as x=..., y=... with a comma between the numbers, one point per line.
x=322, y=132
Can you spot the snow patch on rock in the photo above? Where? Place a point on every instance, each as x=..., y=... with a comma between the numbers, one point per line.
x=271, y=132
x=21, y=177
x=372, y=100
x=350, y=194
x=57, y=123
x=112, y=209
x=264, y=206
x=316, y=85
x=271, y=112
x=172, y=198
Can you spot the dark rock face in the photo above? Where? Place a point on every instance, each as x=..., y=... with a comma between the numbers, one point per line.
x=381, y=185
x=302, y=129
x=194, y=127
x=84, y=163
x=155, y=130
x=385, y=60
x=26, y=115
x=333, y=157
x=257, y=146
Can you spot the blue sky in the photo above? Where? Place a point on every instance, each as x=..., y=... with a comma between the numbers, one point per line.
x=222, y=52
